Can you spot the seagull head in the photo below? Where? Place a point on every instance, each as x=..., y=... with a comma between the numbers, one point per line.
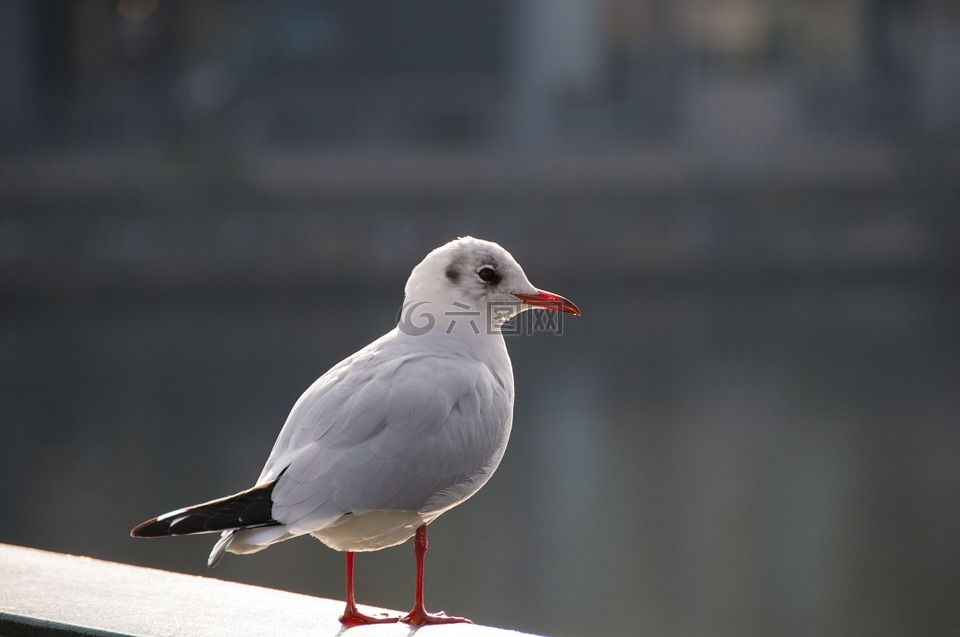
x=472, y=278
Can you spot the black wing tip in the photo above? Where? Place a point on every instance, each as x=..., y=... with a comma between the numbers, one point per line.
x=151, y=528
x=248, y=509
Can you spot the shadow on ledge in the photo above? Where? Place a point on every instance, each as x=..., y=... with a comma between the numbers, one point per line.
x=49, y=594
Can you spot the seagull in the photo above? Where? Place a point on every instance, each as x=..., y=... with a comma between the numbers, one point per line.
x=393, y=436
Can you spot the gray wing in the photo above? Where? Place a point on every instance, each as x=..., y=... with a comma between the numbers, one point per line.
x=389, y=429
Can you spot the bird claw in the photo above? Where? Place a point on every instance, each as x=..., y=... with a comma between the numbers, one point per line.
x=351, y=618
x=420, y=617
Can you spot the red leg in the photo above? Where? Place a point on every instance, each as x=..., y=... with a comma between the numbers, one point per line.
x=419, y=616
x=351, y=616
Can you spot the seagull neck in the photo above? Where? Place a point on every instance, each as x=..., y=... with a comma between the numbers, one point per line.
x=480, y=342
x=467, y=328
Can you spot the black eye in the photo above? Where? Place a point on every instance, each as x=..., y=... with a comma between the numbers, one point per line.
x=488, y=275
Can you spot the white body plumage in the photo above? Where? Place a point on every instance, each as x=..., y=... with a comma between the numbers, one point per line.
x=387, y=440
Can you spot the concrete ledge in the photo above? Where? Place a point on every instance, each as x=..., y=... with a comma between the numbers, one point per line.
x=49, y=594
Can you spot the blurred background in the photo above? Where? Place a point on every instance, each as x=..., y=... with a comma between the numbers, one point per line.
x=752, y=430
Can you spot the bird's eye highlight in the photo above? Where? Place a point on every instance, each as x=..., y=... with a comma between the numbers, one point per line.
x=488, y=274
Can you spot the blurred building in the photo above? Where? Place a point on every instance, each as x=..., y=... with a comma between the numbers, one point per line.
x=744, y=75
x=200, y=137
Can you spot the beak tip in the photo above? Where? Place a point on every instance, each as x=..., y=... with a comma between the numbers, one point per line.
x=550, y=301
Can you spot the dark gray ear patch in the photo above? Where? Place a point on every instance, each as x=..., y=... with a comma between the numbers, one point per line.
x=452, y=273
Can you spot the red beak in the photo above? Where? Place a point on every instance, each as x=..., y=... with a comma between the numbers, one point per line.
x=550, y=301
